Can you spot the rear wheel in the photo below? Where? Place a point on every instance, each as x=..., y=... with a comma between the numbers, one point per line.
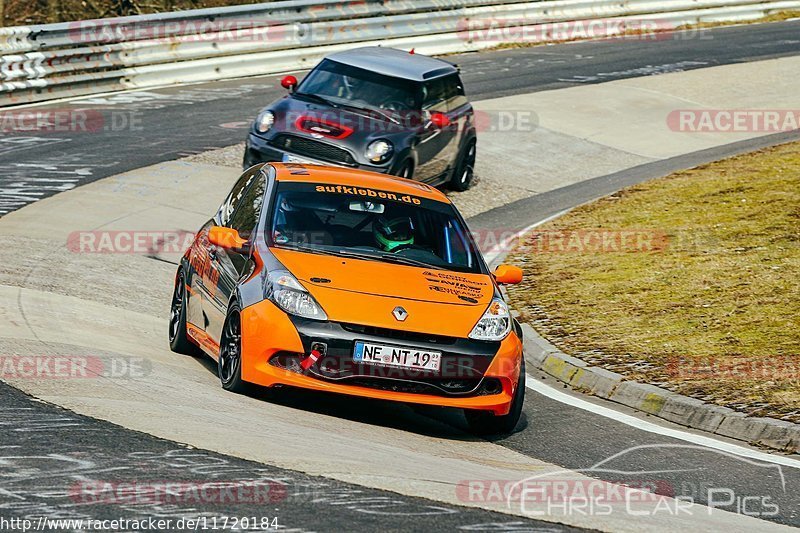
x=178, y=340
x=229, y=365
x=465, y=168
x=487, y=423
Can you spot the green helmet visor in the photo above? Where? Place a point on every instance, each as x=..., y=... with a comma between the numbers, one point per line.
x=394, y=233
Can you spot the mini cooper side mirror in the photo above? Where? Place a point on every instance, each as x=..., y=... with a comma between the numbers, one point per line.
x=508, y=274
x=289, y=82
x=440, y=120
x=227, y=238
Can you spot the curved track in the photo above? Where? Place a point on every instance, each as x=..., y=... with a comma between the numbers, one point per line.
x=114, y=306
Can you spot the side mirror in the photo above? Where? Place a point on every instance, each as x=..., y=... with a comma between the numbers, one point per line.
x=227, y=238
x=508, y=274
x=440, y=120
x=289, y=82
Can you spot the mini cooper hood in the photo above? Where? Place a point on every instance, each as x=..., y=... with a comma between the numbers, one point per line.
x=344, y=125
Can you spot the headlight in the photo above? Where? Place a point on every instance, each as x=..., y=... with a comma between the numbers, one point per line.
x=264, y=121
x=379, y=151
x=495, y=323
x=289, y=295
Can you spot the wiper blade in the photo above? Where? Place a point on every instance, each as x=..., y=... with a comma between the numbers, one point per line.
x=387, y=257
x=318, y=98
x=407, y=261
x=366, y=256
x=382, y=113
x=304, y=248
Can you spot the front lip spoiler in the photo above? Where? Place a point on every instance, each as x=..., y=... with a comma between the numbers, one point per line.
x=430, y=385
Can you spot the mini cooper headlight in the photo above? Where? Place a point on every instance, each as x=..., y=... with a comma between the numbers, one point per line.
x=495, y=323
x=265, y=121
x=379, y=151
x=289, y=295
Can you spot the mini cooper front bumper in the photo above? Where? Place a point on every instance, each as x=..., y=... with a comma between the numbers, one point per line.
x=290, y=148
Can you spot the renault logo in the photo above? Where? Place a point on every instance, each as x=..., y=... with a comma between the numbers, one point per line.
x=400, y=313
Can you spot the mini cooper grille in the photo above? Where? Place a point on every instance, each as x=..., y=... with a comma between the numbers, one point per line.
x=399, y=334
x=311, y=148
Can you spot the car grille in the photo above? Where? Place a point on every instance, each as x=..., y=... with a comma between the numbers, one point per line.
x=314, y=149
x=435, y=386
x=399, y=334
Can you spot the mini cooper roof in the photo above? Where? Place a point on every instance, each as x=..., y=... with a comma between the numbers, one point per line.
x=395, y=63
x=326, y=175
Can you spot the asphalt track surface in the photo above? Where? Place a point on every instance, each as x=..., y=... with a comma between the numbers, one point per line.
x=138, y=477
x=563, y=435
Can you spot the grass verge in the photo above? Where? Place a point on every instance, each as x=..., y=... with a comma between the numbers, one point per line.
x=690, y=282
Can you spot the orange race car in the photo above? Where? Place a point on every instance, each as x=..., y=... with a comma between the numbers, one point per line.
x=353, y=282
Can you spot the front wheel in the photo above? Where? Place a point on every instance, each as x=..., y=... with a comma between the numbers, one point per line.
x=487, y=423
x=178, y=340
x=406, y=170
x=465, y=168
x=229, y=364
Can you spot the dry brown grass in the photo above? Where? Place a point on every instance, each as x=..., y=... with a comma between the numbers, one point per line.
x=716, y=314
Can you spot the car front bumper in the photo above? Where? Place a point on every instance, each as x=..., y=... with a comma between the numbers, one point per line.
x=259, y=150
x=273, y=344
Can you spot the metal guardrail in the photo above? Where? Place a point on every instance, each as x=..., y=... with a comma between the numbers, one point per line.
x=85, y=57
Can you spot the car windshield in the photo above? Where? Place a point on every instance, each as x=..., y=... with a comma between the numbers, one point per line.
x=371, y=224
x=351, y=86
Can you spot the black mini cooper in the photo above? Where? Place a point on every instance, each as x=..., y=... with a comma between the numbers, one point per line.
x=373, y=108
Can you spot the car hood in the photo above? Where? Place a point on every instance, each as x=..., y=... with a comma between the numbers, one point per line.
x=341, y=125
x=366, y=292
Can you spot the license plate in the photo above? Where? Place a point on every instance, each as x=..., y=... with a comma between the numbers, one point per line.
x=294, y=159
x=396, y=356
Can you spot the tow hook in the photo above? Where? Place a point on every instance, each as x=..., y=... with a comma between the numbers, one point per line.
x=317, y=352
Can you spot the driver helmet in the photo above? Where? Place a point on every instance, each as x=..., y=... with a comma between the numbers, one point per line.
x=391, y=234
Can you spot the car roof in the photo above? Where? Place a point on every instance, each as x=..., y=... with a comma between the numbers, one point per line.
x=394, y=62
x=355, y=178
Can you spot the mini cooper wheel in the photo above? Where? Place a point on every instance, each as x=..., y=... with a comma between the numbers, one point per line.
x=406, y=170
x=465, y=169
x=487, y=423
x=229, y=364
x=178, y=340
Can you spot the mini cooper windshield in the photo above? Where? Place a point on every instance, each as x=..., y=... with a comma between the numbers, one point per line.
x=371, y=224
x=339, y=84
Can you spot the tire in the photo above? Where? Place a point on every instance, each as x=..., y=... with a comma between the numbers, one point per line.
x=178, y=340
x=465, y=168
x=406, y=170
x=229, y=364
x=487, y=423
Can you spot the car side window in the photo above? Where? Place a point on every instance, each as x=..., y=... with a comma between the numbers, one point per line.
x=245, y=218
x=434, y=97
x=232, y=200
x=454, y=92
